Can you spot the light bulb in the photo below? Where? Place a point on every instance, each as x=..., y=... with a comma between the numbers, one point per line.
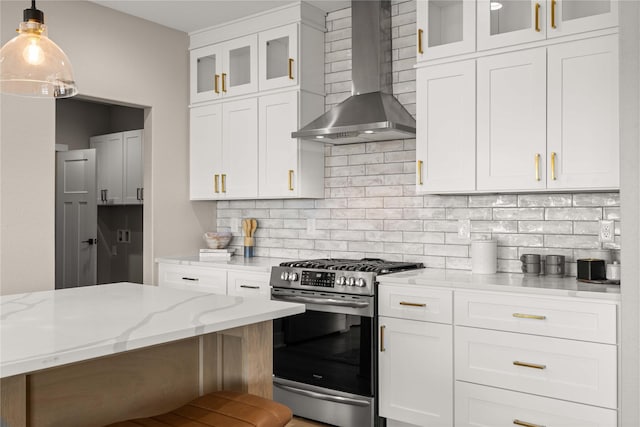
x=33, y=53
x=496, y=5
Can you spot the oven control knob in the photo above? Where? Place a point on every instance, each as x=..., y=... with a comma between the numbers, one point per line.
x=351, y=281
x=284, y=275
x=361, y=282
x=341, y=281
x=293, y=277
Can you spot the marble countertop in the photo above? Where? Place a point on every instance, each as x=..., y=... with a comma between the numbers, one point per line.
x=541, y=285
x=45, y=329
x=259, y=264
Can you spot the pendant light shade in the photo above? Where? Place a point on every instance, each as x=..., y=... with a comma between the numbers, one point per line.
x=33, y=65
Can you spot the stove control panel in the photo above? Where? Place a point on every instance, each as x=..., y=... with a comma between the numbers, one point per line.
x=350, y=282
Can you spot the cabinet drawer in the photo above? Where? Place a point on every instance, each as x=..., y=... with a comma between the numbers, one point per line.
x=249, y=284
x=414, y=303
x=572, y=370
x=193, y=278
x=563, y=318
x=478, y=406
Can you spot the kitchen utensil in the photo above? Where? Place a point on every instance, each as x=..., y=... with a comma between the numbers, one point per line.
x=554, y=265
x=530, y=264
x=591, y=269
x=484, y=256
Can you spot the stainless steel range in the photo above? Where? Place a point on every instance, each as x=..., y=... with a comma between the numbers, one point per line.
x=324, y=360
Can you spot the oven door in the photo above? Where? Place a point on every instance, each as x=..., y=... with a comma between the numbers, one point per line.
x=323, y=359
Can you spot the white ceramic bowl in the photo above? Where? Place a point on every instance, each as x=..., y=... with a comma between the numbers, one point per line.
x=217, y=240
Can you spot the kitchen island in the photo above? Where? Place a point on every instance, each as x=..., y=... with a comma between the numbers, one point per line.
x=94, y=355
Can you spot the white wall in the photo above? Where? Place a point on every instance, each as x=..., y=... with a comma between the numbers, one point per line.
x=116, y=58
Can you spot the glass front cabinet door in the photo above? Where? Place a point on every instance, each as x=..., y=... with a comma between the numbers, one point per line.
x=576, y=16
x=445, y=28
x=224, y=69
x=206, y=70
x=278, y=57
x=510, y=22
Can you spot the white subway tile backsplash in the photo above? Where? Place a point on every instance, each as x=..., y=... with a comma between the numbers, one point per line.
x=573, y=214
x=371, y=207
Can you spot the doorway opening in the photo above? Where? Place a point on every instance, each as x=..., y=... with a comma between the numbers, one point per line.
x=99, y=223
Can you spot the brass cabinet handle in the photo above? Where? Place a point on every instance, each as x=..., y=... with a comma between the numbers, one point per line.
x=537, y=167
x=553, y=13
x=526, y=424
x=553, y=166
x=290, y=179
x=224, y=82
x=420, y=172
x=529, y=316
x=382, y=327
x=420, y=32
x=216, y=82
x=538, y=17
x=291, y=68
x=224, y=183
x=215, y=183
x=529, y=365
x=413, y=304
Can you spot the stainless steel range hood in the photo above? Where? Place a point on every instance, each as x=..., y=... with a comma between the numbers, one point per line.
x=371, y=113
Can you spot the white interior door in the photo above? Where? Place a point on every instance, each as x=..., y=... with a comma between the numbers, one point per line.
x=76, y=218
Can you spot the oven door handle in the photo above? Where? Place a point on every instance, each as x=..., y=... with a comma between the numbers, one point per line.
x=321, y=301
x=327, y=397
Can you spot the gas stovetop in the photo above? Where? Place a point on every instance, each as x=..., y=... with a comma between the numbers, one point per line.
x=336, y=275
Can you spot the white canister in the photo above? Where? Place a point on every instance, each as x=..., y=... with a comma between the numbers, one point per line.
x=484, y=256
x=613, y=271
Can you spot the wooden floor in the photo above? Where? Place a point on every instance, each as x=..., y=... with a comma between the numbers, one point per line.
x=301, y=422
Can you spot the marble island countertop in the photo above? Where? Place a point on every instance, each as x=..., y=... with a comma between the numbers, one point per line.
x=46, y=329
x=506, y=282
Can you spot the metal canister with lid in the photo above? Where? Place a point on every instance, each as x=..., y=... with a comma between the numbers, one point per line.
x=554, y=265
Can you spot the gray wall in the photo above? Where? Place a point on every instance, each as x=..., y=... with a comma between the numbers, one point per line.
x=370, y=206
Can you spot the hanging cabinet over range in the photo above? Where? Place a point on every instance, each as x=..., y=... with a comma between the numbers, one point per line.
x=517, y=96
x=249, y=91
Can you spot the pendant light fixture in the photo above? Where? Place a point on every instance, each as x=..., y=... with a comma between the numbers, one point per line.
x=32, y=65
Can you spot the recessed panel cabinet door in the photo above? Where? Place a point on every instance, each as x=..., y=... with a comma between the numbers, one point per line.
x=239, y=178
x=416, y=372
x=133, y=169
x=512, y=121
x=205, y=153
x=278, y=152
x=446, y=132
x=109, y=167
x=583, y=148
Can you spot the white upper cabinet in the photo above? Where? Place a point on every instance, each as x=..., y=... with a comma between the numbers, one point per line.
x=278, y=53
x=583, y=147
x=205, y=151
x=576, y=16
x=283, y=159
x=446, y=128
x=445, y=28
x=119, y=170
x=510, y=22
x=512, y=121
x=225, y=69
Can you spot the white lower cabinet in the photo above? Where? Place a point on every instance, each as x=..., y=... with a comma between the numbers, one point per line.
x=415, y=357
x=481, y=406
x=193, y=278
x=509, y=359
x=216, y=279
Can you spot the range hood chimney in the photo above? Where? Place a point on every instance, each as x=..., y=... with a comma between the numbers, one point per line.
x=371, y=113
